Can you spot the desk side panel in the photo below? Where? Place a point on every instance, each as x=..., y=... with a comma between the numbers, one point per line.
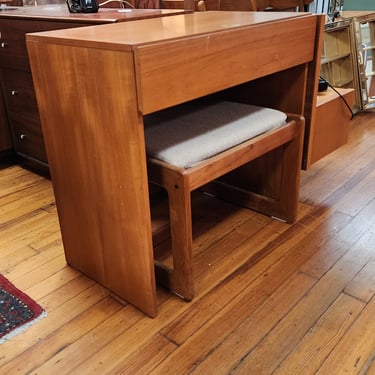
x=95, y=145
x=312, y=92
x=186, y=69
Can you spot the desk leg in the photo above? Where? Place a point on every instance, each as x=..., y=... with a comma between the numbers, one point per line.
x=95, y=145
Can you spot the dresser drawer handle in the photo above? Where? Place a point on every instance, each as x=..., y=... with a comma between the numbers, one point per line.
x=22, y=136
x=14, y=92
x=3, y=44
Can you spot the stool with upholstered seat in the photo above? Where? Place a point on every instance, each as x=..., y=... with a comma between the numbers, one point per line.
x=194, y=144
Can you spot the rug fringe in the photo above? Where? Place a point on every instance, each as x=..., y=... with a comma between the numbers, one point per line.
x=19, y=329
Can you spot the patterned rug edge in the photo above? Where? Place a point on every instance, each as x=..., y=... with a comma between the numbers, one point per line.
x=17, y=310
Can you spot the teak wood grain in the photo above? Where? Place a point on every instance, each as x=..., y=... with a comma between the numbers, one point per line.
x=94, y=130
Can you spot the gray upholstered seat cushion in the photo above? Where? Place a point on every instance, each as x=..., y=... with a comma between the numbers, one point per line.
x=190, y=134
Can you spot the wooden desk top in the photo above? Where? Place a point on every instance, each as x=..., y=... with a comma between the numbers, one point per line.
x=170, y=53
x=327, y=96
x=160, y=30
x=60, y=12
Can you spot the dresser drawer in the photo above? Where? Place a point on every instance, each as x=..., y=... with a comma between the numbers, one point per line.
x=18, y=90
x=13, y=52
x=27, y=136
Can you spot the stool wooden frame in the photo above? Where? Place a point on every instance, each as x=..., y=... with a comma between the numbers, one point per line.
x=180, y=182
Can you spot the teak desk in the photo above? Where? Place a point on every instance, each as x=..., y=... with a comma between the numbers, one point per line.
x=95, y=84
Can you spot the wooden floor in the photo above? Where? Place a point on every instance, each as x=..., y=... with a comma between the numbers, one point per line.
x=272, y=298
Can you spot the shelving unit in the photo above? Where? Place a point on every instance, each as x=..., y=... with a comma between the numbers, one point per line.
x=339, y=62
x=364, y=27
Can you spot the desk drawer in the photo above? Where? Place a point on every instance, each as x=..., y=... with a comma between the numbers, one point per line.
x=187, y=69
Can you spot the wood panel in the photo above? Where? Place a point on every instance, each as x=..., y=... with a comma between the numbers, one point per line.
x=116, y=223
x=331, y=126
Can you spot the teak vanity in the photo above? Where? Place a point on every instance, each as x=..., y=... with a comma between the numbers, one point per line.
x=105, y=79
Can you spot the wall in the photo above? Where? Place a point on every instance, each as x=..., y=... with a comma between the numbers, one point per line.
x=359, y=5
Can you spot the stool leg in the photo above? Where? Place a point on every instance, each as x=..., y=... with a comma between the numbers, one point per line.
x=181, y=278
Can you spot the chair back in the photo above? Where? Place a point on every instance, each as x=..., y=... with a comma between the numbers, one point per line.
x=145, y=4
x=286, y=5
x=240, y=5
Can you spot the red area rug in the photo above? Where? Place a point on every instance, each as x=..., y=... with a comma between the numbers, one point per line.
x=17, y=310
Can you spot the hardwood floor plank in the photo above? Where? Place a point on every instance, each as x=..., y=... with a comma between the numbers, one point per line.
x=355, y=354
x=92, y=340
x=221, y=259
x=66, y=311
x=253, y=328
x=24, y=202
x=326, y=256
x=278, y=344
x=359, y=197
x=52, y=283
x=129, y=342
x=45, y=270
x=362, y=286
x=27, y=230
x=308, y=355
x=15, y=178
x=58, y=341
x=331, y=172
x=265, y=254
x=146, y=358
x=16, y=242
x=249, y=295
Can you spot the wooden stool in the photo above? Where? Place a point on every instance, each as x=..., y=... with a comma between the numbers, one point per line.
x=192, y=145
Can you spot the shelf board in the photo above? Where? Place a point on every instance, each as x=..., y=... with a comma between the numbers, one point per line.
x=326, y=60
x=343, y=83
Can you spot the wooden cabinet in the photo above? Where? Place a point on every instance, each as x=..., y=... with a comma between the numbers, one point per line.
x=332, y=122
x=18, y=98
x=339, y=64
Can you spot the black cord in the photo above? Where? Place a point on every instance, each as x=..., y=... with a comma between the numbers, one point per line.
x=341, y=96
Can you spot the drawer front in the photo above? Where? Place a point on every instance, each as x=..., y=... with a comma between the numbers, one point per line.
x=13, y=52
x=194, y=67
x=18, y=90
x=27, y=137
